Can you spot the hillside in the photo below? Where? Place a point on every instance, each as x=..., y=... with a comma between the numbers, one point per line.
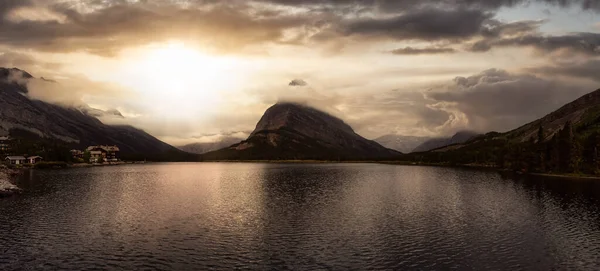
x=564, y=141
x=76, y=127
x=289, y=131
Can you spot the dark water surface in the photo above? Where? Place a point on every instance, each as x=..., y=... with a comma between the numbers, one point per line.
x=297, y=216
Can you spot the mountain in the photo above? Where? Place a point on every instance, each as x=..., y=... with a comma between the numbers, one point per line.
x=583, y=113
x=435, y=143
x=564, y=141
x=204, y=147
x=289, y=131
x=404, y=144
x=76, y=126
x=586, y=109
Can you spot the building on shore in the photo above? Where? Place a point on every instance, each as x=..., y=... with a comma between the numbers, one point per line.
x=77, y=154
x=96, y=156
x=21, y=160
x=104, y=153
x=15, y=160
x=34, y=159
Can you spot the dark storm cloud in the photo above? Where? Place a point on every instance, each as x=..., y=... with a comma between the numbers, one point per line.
x=394, y=5
x=427, y=24
x=419, y=51
x=498, y=100
x=8, y=5
x=589, y=69
x=109, y=28
x=106, y=27
x=585, y=43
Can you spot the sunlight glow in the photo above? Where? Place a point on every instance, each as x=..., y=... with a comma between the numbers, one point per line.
x=181, y=82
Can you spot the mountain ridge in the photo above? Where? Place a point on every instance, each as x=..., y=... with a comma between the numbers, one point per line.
x=566, y=140
x=71, y=125
x=573, y=112
x=436, y=143
x=292, y=131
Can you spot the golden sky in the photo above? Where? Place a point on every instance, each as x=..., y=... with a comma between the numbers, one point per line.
x=196, y=70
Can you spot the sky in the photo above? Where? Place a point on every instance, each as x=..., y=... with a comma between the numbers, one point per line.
x=197, y=70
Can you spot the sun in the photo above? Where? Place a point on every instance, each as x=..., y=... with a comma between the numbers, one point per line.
x=180, y=81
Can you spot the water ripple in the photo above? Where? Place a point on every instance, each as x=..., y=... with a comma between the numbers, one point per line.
x=297, y=217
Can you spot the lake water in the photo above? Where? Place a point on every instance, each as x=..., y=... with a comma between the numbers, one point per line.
x=297, y=216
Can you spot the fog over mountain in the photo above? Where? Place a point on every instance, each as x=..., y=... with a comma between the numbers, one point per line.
x=184, y=69
x=76, y=126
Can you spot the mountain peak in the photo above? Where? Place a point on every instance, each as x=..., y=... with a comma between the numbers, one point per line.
x=294, y=131
x=6, y=72
x=295, y=116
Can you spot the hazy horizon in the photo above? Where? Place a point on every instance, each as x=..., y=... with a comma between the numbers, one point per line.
x=193, y=71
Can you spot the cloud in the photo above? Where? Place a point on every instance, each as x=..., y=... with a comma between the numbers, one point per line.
x=298, y=83
x=235, y=26
x=224, y=27
x=499, y=100
x=418, y=51
x=597, y=26
x=360, y=95
x=429, y=24
x=496, y=28
x=582, y=43
x=589, y=69
x=396, y=5
x=69, y=92
x=25, y=62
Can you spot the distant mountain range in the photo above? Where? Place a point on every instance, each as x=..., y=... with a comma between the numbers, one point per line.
x=76, y=126
x=404, y=144
x=289, y=131
x=204, y=147
x=435, y=143
x=408, y=144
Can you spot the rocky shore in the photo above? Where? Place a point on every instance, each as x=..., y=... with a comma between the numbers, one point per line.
x=6, y=187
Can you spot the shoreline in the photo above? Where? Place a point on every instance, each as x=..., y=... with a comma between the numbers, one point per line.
x=84, y=165
x=6, y=171
x=566, y=176
x=481, y=167
x=7, y=188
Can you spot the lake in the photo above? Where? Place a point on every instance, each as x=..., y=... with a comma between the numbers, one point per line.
x=198, y=216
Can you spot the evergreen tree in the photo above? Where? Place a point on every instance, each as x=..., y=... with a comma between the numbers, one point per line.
x=590, y=154
x=552, y=154
x=86, y=156
x=565, y=139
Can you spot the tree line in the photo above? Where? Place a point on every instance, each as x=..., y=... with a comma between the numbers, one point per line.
x=571, y=150
x=565, y=152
